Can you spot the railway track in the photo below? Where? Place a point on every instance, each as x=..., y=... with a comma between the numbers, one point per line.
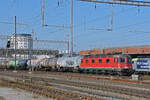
x=103, y=86
x=118, y=79
x=56, y=94
x=114, y=78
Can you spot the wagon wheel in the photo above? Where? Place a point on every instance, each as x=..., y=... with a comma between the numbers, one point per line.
x=76, y=69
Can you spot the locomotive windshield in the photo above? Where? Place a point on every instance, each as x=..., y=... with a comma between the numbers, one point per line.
x=121, y=60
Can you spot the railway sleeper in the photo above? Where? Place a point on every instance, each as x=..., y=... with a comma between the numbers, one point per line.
x=29, y=87
x=106, y=88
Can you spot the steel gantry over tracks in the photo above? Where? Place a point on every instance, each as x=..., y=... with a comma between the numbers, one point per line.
x=122, y=2
x=9, y=52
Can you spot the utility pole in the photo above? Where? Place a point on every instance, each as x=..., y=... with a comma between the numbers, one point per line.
x=68, y=44
x=56, y=26
x=112, y=15
x=71, y=26
x=15, y=41
x=30, y=54
x=42, y=10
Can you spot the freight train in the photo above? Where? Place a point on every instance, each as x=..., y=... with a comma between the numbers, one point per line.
x=112, y=64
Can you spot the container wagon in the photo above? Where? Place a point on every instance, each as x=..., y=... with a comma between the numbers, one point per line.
x=142, y=66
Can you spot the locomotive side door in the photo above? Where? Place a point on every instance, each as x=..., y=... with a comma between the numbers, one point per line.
x=115, y=63
x=118, y=63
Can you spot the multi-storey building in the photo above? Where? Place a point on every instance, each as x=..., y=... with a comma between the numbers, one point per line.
x=23, y=41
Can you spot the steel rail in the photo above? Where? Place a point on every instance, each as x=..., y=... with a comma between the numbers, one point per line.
x=47, y=91
x=103, y=87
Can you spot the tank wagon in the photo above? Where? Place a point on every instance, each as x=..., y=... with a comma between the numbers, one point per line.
x=20, y=64
x=8, y=63
x=48, y=64
x=3, y=63
x=69, y=63
x=44, y=64
x=33, y=63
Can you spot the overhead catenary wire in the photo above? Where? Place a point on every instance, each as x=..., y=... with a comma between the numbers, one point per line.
x=85, y=23
x=13, y=23
x=104, y=29
x=125, y=40
x=43, y=18
x=119, y=27
x=121, y=2
x=103, y=17
x=133, y=24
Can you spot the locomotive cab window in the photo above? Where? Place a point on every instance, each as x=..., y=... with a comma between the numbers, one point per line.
x=100, y=60
x=107, y=60
x=118, y=60
x=122, y=60
x=93, y=61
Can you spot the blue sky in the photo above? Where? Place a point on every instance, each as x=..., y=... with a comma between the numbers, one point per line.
x=130, y=27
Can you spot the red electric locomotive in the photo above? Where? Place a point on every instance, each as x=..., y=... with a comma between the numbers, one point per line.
x=120, y=64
